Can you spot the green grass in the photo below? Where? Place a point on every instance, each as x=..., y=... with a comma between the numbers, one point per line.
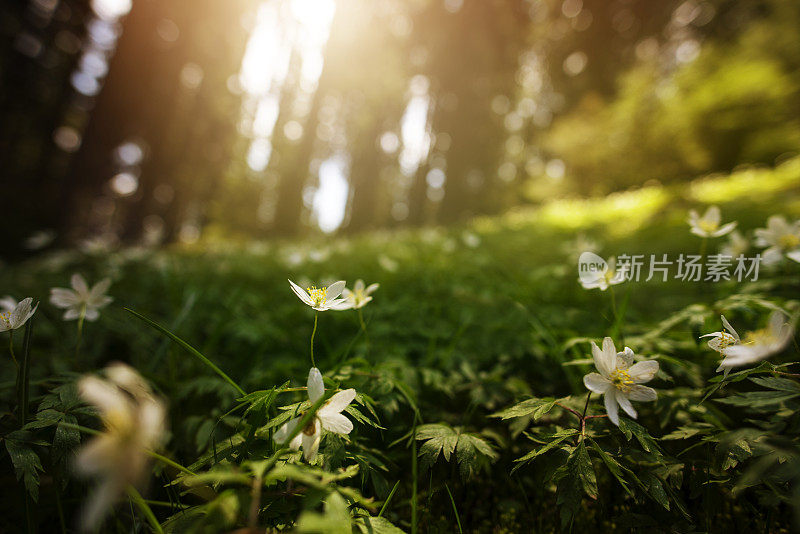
x=467, y=321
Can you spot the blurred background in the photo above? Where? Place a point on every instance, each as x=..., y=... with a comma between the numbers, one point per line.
x=150, y=122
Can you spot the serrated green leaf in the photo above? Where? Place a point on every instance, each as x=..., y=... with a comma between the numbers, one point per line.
x=534, y=407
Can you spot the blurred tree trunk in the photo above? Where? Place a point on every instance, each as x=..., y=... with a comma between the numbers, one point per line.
x=365, y=181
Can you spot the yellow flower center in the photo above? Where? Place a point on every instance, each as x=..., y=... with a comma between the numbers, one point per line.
x=708, y=226
x=5, y=318
x=119, y=423
x=317, y=294
x=622, y=380
x=726, y=340
x=789, y=241
x=359, y=296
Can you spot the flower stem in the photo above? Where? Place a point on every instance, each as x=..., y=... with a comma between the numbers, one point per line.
x=80, y=333
x=313, y=332
x=363, y=326
x=144, y=508
x=11, y=348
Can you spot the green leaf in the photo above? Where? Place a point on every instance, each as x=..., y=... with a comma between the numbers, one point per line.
x=776, y=383
x=613, y=466
x=653, y=486
x=553, y=441
x=27, y=465
x=758, y=399
x=575, y=478
x=534, y=407
x=631, y=428
x=472, y=451
x=376, y=525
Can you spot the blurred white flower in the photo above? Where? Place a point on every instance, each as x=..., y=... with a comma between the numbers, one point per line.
x=780, y=238
x=603, y=279
x=18, y=315
x=8, y=303
x=736, y=246
x=709, y=224
x=134, y=423
x=80, y=299
x=620, y=379
x=760, y=344
x=321, y=299
x=328, y=417
x=359, y=296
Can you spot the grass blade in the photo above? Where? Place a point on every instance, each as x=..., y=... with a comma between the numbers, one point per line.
x=455, y=510
x=389, y=498
x=191, y=350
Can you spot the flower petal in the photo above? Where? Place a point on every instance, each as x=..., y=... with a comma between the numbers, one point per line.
x=334, y=290
x=642, y=394
x=336, y=422
x=729, y=328
x=626, y=405
x=301, y=294
x=79, y=284
x=596, y=382
x=643, y=371
x=612, y=408
x=338, y=402
x=285, y=431
x=606, y=359
x=624, y=358
x=316, y=387
x=63, y=298
x=311, y=443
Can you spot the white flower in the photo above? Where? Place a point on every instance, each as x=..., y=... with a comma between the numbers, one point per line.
x=16, y=316
x=321, y=299
x=736, y=246
x=620, y=379
x=134, y=421
x=359, y=296
x=329, y=417
x=722, y=339
x=8, y=303
x=759, y=344
x=81, y=299
x=780, y=238
x=610, y=277
x=709, y=224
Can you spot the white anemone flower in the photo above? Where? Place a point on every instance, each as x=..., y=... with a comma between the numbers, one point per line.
x=709, y=224
x=359, y=296
x=134, y=421
x=321, y=299
x=80, y=300
x=780, y=237
x=610, y=277
x=759, y=344
x=736, y=246
x=16, y=316
x=724, y=338
x=619, y=379
x=328, y=417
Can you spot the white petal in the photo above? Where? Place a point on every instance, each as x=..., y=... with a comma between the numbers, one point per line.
x=338, y=402
x=624, y=358
x=358, y=285
x=91, y=314
x=643, y=371
x=729, y=328
x=316, y=387
x=712, y=215
x=63, y=298
x=79, y=284
x=373, y=287
x=72, y=313
x=301, y=294
x=606, y=359
x=311, y=443
x=104, y=395
x=642, y=394
x=725, y=229
x=336, y=422
x=612, y=409
x=334, y=290
x=596, y=382
x=626, y=404
x=285, y=431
